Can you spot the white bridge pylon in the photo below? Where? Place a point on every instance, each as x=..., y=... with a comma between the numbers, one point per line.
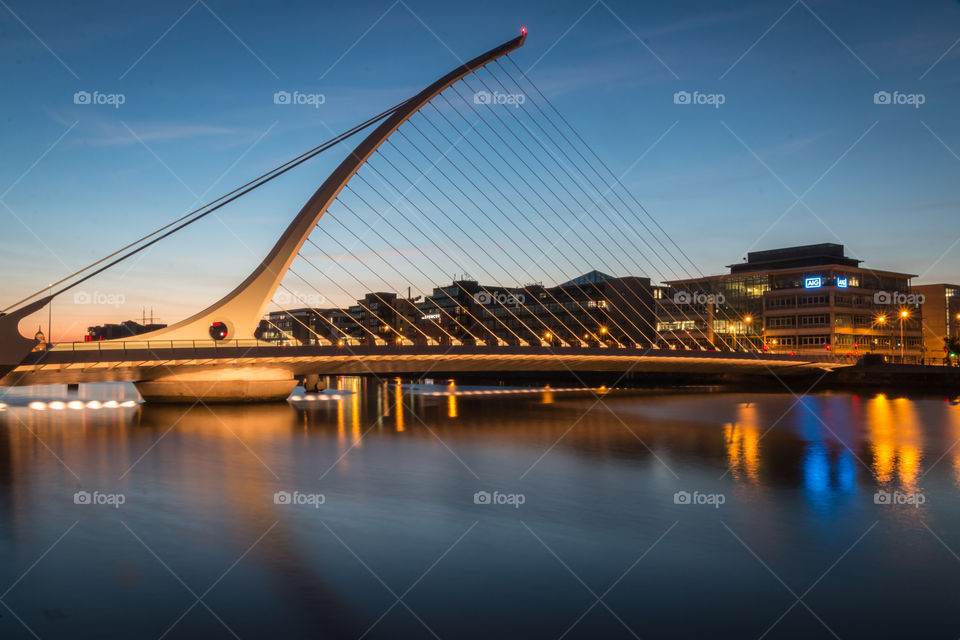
x=242, y=309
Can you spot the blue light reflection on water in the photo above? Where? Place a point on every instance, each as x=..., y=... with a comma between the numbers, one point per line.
x=399, y=468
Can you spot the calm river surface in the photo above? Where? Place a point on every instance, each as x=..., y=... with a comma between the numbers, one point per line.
x=399, y=511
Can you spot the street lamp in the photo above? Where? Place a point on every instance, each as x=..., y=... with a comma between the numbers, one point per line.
x=904, y=314
x=748, y=320
x=881, y=320
x=50, y=320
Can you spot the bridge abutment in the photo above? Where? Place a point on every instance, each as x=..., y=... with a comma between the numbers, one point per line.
x=238, y=385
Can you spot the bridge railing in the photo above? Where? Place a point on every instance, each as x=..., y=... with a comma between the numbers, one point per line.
x=151, y=345
x=128, y=345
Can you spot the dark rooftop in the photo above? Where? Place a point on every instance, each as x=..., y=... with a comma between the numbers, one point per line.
x=809, y=255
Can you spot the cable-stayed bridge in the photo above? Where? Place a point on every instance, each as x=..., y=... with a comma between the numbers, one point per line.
x=478, y=173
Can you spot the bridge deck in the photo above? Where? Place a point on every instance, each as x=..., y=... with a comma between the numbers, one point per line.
x=133, y=362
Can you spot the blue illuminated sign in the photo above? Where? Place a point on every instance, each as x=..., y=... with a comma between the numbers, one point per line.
x=813, y=282
x=842, y=283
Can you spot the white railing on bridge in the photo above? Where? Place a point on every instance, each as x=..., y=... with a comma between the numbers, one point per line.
x=151, y=345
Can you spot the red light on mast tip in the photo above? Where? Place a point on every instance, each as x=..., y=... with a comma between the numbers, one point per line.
x=523, y=31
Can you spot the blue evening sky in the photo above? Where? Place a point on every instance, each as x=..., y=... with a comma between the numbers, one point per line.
x=198, y=118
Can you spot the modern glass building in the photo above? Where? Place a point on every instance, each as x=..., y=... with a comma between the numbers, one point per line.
x=807, y=300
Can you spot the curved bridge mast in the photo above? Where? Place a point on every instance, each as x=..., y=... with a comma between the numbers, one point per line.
x=241, y=309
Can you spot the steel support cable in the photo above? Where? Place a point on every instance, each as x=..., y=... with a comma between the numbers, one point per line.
x=475, y=168
x=449, y=238
x=318, y=314
x=519, y=139
x=424, y=275
x=386, y=262
x=362, y=286
x=196, y=215
x=493, y=147
x=549, y=189
x=572, y=163
x=289, y=336
x=401, y=274
x=315, y=312
x=460, y=266
x=460, y=247
x=447, y=158
x=402, y=235
x=612, y=175
x=293, y=317
x=581, y=188
x=610, y=188
x=306, y=326
x=360, y=304
x=605, y=166
x=447, y=216
x=527, y=219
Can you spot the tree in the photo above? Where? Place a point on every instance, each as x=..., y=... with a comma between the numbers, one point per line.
x=951, y=347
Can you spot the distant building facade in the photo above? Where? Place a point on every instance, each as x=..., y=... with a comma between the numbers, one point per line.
x=125, y=329
x=590, y=309
x=806, y=300
x=941, y=318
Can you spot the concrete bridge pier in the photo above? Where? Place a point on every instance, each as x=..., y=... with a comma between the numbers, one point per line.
x=246, y=384
x=313, y=383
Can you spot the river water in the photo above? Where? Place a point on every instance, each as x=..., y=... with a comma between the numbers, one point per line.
x=381, y=510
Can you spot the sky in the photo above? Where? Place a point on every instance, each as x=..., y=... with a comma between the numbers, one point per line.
x=836, y=122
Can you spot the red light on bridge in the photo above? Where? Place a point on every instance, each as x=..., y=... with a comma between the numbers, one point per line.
x=218, y=331
x=523, y=31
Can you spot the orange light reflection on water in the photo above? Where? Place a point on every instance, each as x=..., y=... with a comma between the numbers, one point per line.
x=742, y=440
x=896, y=440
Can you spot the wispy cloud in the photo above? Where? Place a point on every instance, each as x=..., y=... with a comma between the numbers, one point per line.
x=110, y=134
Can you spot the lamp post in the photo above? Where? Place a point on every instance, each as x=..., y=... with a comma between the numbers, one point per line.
x=904, y=314
x=881, y=320
x=50, y=321
x=748, y=320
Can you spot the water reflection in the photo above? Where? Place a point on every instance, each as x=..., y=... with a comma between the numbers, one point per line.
x=399, y=467
x=743, y=443
x=896, y=440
